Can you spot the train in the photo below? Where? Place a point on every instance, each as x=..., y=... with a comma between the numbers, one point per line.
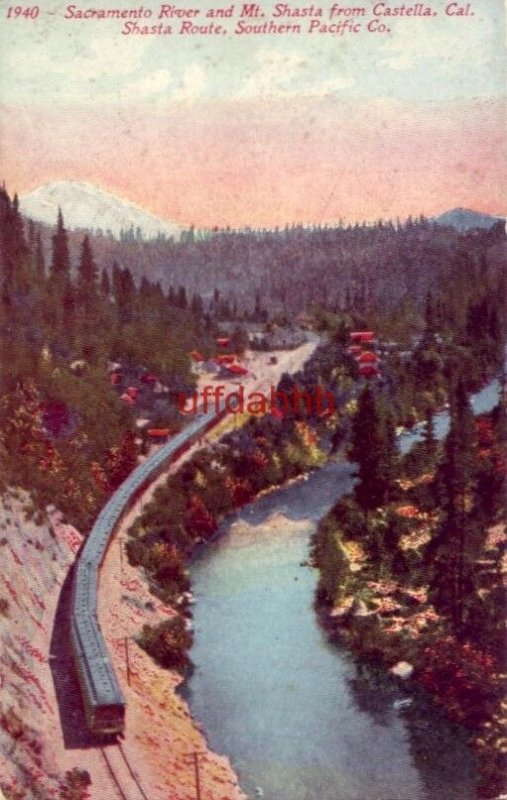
x=103, y=700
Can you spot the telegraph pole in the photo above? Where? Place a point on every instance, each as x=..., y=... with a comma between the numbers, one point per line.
x=195, y=758
x=127, y=659
x=197, y=776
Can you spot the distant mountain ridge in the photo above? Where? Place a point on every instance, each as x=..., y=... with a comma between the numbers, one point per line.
x=287, y=270
x=87, y=206
x=464, y=219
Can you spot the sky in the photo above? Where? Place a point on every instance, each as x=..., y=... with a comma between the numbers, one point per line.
x=260, y=130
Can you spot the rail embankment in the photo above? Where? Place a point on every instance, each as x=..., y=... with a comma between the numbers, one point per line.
x=36, y=551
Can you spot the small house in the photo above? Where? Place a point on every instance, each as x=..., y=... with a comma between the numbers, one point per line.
x=362, y=337
x=369, y=371
x=368, y=357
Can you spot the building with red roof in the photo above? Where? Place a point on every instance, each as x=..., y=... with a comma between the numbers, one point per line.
x=368, y=357
x=363, y=337
x=158, y=434
x=236, y=369
x=226, y=358
x=369, y=371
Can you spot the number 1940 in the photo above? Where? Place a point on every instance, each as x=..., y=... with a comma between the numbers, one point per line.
x=29, y=12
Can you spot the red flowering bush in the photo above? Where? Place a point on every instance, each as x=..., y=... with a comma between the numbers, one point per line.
x=484, y=431
x=259, y=459
x=199, y=520
x=99, y=478
x=121, y=460
x=240, y=489
x=461, y=677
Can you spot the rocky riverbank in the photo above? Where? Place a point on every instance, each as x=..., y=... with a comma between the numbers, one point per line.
x=393, y=626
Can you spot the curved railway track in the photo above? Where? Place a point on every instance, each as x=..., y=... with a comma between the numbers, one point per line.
x=123, y=776
x=103, y=698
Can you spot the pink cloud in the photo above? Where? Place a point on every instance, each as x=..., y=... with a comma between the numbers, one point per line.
x=239, y=163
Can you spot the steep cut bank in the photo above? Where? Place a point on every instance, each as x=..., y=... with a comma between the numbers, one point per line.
x=36, y=554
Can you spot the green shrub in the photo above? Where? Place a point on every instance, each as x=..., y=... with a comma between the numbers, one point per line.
x=168, y=643
x=136, y=552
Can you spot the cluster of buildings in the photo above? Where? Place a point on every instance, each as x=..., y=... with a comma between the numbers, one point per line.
x=363, y=349
x=223, y=365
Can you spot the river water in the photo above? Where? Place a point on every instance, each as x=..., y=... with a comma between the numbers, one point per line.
x=299, y=719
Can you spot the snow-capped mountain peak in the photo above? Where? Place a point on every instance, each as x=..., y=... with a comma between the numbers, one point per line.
x=87, y=206
x=464, y=219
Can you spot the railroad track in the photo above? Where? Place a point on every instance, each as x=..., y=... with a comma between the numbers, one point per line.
x=123, y=776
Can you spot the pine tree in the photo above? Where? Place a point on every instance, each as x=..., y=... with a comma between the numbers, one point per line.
x=115, y=280
x=374, y=450
x=87, y=268
x=87, y=276
x=181, y=300
x=61, y=292
x=389, y=456
x=458, y=468
x=105, y=284
x=60, y=265
x=239, y=340
x=453, y=548
x=40, y=261
x=430, y=316
x=17, y=228
x=124, y=292
x=14, y=248
x=32, y=239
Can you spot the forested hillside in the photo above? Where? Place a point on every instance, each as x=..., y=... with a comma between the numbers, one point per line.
x=362, y=268
x=65, y=433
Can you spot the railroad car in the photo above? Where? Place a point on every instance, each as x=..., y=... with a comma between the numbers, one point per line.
x=103, y=699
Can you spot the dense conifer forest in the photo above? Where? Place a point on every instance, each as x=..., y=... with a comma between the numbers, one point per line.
x=65, y=433
x=362, y=268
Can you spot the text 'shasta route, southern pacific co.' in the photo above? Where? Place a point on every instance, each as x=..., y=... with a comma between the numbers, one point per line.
x=250, y=19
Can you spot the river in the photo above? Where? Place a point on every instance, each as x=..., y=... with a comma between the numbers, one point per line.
x=299, y=719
